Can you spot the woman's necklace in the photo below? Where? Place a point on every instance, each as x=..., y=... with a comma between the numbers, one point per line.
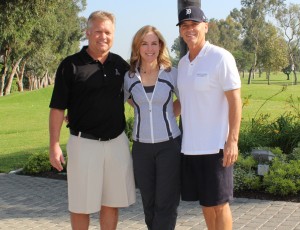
x=150, y=71
x=149, y=77
x=143, y=70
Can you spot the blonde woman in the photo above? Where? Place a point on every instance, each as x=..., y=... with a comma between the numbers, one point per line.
x=151, y=84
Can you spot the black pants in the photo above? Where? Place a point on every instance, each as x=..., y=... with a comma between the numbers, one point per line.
x=157, y=174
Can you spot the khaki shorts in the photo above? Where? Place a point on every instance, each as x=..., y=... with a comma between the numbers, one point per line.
x=99, y=173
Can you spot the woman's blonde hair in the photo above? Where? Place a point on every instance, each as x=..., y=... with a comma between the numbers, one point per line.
x=135, y=57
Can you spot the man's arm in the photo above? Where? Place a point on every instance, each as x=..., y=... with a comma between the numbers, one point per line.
x=177, y=108
x=56, y=119
x=130, y=102
x=235, y=115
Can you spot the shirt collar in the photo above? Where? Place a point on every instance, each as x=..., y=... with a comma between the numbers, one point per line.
x=200, y=54
x=88, y=59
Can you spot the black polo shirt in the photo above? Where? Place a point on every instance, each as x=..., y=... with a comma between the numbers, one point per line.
x=92, y=93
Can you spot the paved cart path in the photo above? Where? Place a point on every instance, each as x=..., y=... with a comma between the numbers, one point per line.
x=40, y=203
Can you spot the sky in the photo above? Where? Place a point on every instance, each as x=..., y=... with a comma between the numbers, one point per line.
x=131, y=15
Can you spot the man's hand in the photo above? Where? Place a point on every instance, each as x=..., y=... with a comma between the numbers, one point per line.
x=56, y=158
x=230, y=154
x=234, y=116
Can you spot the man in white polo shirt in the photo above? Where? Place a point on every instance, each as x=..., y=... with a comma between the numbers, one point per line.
x=209, y=89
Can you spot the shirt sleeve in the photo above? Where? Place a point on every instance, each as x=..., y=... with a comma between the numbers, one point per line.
x=62, y=85
x=230, y=79
x=126, y=87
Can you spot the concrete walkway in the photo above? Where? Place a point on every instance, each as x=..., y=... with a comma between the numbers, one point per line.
x=40, y=203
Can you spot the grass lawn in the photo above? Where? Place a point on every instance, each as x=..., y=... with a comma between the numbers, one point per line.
x=24, y=117
x=24, y=127
x=259, y=91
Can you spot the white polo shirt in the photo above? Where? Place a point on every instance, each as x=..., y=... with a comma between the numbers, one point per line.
x=204, y=107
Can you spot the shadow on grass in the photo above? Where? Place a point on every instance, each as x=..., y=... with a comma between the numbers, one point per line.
x=17, y=160
x=273, y=83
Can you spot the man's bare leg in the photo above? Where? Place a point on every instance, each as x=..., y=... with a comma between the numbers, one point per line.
x=80, y=221
x=108, y=218
x=218, y=217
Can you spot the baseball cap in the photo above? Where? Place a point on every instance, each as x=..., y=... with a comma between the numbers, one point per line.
x=192, y=13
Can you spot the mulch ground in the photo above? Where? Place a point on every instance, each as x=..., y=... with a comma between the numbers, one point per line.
x=266, y=196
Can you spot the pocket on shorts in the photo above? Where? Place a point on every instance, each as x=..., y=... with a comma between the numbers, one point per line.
x=73, y=145
x=201, y=81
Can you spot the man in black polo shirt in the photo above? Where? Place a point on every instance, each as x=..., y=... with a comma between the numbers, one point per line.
x=89, y=85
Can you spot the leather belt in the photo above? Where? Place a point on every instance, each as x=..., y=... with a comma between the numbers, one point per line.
x=88, y=136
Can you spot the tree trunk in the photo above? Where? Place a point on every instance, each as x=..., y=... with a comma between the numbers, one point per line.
x=45, y=80
x=49, y=79
x=31, y=82
x=250, y=74
x=295, y=77
x=4, y=73
x=39, y=82
x=20, y=76
x=3, y=80
x=7, y=87
x=35, y=83
x=254, y=65
x=180, y=5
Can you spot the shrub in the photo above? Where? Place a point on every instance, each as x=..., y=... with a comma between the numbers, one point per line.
x=255, y=134
x=283, y=132
x=283, y=178
x=129, y=127
x=295, y=155
x=37, y=163
x=244, y=174
x=245, y=180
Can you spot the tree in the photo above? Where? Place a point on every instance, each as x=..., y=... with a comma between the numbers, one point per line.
x=287, y=71
x=289, y=21
x=61, y=38
x=252, y=17
x=225, y=33
x=16, y=25
x=36, y=34
x=243, y=60
x=176, y=49
x=272, y=54
x=213, y=34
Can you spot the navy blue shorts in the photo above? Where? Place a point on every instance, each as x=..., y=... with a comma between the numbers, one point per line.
x=204, y=179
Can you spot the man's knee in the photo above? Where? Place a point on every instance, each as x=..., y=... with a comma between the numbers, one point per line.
x=217, y=208
x=80, y=221
x=108, y=218
x=109, y=210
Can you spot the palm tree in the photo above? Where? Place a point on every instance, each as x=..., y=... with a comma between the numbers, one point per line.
x=180, y=5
